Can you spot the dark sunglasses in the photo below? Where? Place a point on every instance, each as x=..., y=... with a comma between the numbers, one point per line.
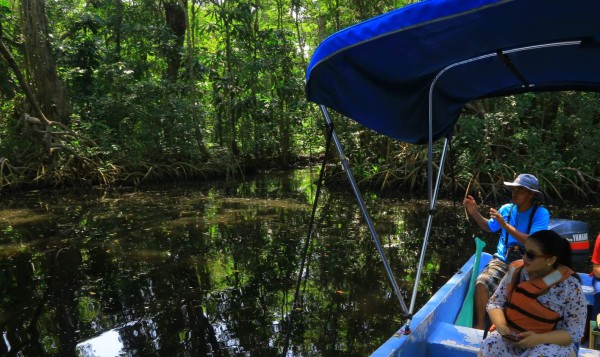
x=532, y=256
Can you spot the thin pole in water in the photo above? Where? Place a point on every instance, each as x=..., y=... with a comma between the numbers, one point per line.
x=361, y=203
x=307, y=243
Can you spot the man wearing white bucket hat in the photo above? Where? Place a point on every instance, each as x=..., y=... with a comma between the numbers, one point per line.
x=516, y=220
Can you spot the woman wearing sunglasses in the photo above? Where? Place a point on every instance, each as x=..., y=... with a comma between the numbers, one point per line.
x=539, y=308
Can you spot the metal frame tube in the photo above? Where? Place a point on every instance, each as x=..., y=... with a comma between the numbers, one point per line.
x=363, y=209
x=432, y=201
x=434, y=192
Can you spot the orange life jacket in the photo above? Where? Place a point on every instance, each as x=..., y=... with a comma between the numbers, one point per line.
x=522, y=310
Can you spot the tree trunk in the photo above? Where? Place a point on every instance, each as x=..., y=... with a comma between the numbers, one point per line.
x=48, y=89
x=118, y=27
x=175, y=13
x=203, y=153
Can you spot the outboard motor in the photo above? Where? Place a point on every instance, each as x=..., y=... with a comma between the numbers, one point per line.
x=576, y=233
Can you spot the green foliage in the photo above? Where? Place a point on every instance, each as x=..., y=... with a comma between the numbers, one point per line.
x=551, y=135
x=237, y=101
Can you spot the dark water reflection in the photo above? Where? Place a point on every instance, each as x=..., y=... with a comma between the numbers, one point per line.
x=211, y=269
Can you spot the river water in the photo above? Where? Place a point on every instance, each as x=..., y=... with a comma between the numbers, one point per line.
x=211, y=268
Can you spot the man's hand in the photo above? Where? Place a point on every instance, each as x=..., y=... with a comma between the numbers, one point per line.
x=471, y=207
x=470, y=204
x=498, y=217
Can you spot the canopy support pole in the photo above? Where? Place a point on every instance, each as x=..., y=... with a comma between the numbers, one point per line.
x=433, y=193
x=363, y=208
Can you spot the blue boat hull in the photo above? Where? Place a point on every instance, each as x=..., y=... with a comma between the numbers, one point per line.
x=433, y=330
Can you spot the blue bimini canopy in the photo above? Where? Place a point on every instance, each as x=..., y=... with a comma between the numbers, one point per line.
x=380, y=72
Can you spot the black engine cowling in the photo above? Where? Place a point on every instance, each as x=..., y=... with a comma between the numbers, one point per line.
x=576, y=233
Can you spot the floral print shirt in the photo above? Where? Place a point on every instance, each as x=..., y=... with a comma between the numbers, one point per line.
x=566, y=298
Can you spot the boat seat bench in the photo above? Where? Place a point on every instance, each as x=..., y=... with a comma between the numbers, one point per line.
x=449, y=340
x=435, y=333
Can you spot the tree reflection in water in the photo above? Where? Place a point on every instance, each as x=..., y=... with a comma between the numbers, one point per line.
x=211, y=269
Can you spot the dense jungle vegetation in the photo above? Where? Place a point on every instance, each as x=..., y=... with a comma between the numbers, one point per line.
x=110, y=92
